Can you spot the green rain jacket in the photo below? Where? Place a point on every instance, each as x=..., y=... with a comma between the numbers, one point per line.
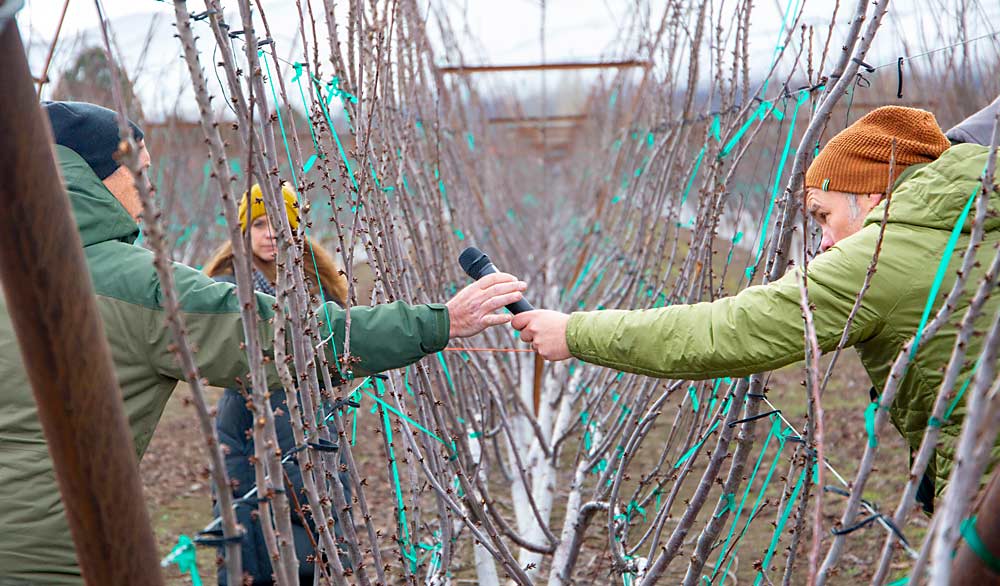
x=35, y=542
x=761, y=328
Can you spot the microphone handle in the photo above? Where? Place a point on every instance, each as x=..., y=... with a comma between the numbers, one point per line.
x=519, y=307
x=516, y=307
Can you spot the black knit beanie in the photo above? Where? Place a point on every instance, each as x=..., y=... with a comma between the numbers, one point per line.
x=90, y=130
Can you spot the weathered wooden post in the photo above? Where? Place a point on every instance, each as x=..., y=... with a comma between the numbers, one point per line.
x=61, y=337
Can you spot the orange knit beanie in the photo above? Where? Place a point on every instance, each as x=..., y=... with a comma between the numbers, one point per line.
x=856, y=160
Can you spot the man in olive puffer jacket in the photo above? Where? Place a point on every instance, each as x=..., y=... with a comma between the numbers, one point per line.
x=35, y=542
x=761, y=328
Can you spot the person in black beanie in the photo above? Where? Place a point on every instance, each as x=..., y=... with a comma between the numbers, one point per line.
x=92, y=132
x=35, y=544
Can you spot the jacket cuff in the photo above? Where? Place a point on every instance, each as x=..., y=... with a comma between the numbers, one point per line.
x=437, y=329
x=574, y=336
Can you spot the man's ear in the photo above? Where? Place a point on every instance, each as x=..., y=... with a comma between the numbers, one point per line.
x=874, y=199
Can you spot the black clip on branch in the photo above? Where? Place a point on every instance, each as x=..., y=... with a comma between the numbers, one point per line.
x=203, y=15
x=322, y=445
x=899, y=78
x=798, y=439
x=215, y=538
x=868, y=521
x=341, y=403
x=753, y=418
x=840, y=491
x=861, y=63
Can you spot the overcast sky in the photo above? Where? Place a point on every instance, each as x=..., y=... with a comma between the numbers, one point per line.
x=509, y=29
x=497, y=31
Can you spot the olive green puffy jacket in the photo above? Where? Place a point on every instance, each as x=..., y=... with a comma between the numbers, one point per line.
x=35, y=543
x=761, y=328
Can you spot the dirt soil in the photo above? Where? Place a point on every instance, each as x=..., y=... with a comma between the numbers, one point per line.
x=178, y=493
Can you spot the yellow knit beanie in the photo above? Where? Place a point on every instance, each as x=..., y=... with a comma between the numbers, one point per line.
x=257, y=209
x=856, y=160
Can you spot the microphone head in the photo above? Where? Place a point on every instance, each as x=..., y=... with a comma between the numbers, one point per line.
x=473, y=261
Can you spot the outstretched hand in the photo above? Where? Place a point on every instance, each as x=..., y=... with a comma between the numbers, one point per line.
x=546, y=332
x=472, y=309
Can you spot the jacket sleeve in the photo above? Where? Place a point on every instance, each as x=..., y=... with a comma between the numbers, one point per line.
x=383, y=337
x=759, y=329
x=977, y=128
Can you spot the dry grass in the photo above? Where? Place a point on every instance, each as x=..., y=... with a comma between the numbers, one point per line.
x=179, y=496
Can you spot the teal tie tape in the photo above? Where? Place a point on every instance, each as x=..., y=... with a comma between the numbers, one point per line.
x=403, y=530
x=975, y=543
x=779, y=529
x=942, y=270
x=185, y=556
x=799, y=100
x=870, y=423
x=726, y=502
x=774, y=433
x=696, y=446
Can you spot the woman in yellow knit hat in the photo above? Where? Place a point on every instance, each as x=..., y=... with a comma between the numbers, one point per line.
x=324, y=274
x=234, y=421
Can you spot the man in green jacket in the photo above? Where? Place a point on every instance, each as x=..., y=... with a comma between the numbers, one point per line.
x=35, y=542
x=761, y=328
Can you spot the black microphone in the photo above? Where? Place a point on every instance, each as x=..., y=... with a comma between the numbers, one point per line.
x=477, y=265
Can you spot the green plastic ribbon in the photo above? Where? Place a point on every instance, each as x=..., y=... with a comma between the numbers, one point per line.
x=696, y=446
x=288, y=153
x=975, y=543
x=780, y=527
x=870, y=423
x=185, y=556
x=333, y=87
x=765, y=108
x=318, y=91
x=277, y=110
x=942, y=270
x=961, y=392
x=305, y=105
x=400, y=414
x=690, y=181
x=447, y=373
x=800, y=99
x=432, y=550
x=403, y=527
x=726, y=501
x=634, y=507
x=774, y=433
x=694, y=398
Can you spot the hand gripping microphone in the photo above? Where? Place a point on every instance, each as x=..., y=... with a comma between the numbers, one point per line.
x=477, y=265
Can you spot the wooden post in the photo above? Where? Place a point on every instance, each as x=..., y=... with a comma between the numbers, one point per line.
x=968, y=568
x=61, y=338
